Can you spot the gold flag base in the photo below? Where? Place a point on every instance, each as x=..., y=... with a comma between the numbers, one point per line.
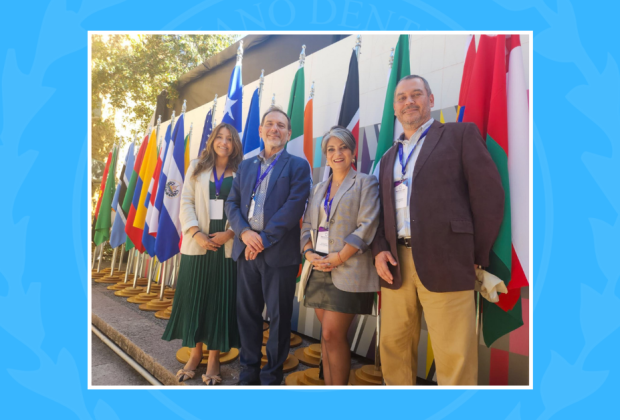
x=309, y=356
x=100, y=274
x=305, y=377
x=165, y=314
x=366, y=375
x=109, y=279
x=295, y=339
x=156, y=305
x=122, y=285
x=169, y=293
x=144, y=297
x=291, y=362
x=130, y=291
x=225, y=356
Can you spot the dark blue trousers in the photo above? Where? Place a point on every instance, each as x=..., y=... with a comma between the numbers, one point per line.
x=259, y=284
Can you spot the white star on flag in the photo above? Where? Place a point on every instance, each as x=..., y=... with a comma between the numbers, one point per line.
x=228, y=108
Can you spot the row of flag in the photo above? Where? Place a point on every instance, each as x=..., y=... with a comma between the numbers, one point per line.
x=493, y=95
x=147, y=199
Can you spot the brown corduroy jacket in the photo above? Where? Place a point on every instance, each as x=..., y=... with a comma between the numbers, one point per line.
x=456, y=208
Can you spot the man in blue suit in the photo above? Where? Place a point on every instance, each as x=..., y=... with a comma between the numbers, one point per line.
x=264, y=207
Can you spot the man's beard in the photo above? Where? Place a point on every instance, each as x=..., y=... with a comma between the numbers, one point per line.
x=416, y=122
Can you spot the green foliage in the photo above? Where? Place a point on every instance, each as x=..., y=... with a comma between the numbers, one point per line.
x=130, y=71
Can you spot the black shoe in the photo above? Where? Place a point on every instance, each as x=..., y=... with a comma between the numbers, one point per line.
x=321, y=370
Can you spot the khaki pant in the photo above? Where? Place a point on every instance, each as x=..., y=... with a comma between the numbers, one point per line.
x=451, y=322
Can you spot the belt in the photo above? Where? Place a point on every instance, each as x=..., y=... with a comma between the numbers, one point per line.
x=404, y=241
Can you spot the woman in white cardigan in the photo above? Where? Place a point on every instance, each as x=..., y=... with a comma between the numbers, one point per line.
x=204, y=308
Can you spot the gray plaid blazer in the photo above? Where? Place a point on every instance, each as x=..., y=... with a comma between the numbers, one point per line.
x=354, y=220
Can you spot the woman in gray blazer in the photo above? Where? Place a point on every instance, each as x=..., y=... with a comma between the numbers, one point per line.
x=340, y=223
x=204, y=307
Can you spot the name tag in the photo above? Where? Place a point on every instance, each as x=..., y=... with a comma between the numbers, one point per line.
x=322, y=242
x=216, y=209
x=400, y=194
x=251, y=213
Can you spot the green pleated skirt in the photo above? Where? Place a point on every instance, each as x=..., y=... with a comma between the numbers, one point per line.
x=204, y=308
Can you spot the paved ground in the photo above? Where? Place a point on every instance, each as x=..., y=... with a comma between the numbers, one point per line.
x=139, y=333
x=109, y=369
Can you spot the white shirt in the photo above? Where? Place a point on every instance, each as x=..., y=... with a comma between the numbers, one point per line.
x=403, y=222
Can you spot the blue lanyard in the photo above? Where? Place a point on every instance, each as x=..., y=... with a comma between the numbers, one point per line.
x=327, y=205
x=403, y=165
x=218, y=182
x=260, y=178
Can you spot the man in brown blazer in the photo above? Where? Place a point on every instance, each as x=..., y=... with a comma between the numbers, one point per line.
x=442, y=204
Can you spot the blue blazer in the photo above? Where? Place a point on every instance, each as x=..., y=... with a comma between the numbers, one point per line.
x=287, y=193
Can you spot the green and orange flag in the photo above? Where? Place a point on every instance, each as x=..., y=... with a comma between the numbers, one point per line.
x=400, y=69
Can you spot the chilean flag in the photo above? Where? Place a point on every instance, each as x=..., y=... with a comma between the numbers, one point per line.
x=234, y=100
x=350, y=108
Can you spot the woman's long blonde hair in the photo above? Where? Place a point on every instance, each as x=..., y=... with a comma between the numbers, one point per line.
x=207, y=157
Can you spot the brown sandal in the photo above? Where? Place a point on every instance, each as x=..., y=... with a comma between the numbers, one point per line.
x=212, y=379
x=185, y=374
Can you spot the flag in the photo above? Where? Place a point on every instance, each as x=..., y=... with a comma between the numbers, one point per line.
x=104, y=177
x=470, y=58
x=350, y=108
x=518, y=167
x=206, y=131
x=187, y=150
x=400, y=69
x=251, y=139
x=131, y=187
x=233, y=108
x=118, y=236
x=478, y=101
x=295, y=112
x=152, y=212
x=132, y=229
x=487, y=106
x=104, y=218
x=169, y=233
x=308, y=132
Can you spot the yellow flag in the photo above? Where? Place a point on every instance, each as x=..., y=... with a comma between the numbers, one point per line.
x=146, y=174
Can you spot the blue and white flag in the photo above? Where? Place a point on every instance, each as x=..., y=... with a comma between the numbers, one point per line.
x=118, y=236
x=233, y=108
x=206, y=132
x=169, y=233
x=252, y=143
x=153, y=209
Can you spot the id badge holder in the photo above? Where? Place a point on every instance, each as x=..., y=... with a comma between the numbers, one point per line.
x=216, y=209
x=251, y=213
x=400, y=194
x=322, y=242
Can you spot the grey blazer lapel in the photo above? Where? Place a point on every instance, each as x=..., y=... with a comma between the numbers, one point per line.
x=432, y=138
x=277, y=169
x=317, y=202
x=347, y=184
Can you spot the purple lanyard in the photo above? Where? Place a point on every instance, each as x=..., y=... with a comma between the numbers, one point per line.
x=327, y=205
x=260, y=178
x=218, y=182
x=403, y=165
